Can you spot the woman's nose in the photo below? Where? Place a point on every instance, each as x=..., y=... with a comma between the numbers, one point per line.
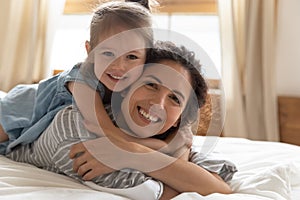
x=159, y=99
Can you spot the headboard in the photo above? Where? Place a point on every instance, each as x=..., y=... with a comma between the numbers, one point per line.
x=288, y=114
x=289, y=119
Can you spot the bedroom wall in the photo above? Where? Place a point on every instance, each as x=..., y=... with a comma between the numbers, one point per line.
x=288, y=51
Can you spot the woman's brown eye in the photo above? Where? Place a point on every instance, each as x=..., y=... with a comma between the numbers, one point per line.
x=175, y=99
x=132, y=57
x=151, y=85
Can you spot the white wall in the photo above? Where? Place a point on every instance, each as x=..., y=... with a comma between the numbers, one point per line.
x=288, y=49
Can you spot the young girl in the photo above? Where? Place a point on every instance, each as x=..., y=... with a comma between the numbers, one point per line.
x=153, y=105
x=27, y=110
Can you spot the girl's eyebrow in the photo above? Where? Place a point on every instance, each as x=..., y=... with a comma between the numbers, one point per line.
x=160, y=82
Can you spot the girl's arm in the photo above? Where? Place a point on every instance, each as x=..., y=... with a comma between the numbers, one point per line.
x=178, y=174
x=97, y=120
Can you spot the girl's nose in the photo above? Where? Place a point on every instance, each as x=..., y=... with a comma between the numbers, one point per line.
x=119, y=64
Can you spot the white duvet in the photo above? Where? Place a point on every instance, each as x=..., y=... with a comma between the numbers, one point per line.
x=267, y=171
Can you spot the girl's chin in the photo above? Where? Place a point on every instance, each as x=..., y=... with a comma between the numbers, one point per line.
x=147, y=131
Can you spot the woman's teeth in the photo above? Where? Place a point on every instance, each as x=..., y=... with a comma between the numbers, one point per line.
x=148, y=116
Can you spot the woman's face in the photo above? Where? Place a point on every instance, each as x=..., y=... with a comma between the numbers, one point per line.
x=119, y=58
x=155, y=102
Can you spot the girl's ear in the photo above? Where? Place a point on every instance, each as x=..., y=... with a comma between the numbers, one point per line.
x=87, y=47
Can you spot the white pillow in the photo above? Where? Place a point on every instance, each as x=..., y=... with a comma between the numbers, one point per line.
x=274, y=182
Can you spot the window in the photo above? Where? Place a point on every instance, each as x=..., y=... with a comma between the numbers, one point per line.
x=203, y=29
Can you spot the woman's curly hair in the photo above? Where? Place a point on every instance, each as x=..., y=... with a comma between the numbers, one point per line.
x=169, y=51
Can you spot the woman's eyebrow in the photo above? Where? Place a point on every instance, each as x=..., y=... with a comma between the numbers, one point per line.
x=138, y=51
x=160, y=82
x=179, y=94
x=154, y=77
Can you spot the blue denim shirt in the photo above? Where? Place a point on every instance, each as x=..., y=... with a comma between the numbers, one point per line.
x=27, y=110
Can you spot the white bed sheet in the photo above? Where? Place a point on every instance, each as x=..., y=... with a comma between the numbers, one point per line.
x=2, y=94
x=267, y=170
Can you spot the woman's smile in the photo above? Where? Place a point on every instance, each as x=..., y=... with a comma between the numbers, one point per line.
x=146, y=116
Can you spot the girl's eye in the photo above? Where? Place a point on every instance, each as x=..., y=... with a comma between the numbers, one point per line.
x=108, y=53
x=151, y=85
x=175, y=99
x=132, y=57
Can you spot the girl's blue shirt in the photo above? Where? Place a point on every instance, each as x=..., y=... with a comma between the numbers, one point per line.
x=27, y=110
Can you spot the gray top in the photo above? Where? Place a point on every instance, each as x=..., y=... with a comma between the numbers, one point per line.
x=51, y=152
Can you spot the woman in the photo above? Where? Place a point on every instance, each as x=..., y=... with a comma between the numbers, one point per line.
x=155, y=91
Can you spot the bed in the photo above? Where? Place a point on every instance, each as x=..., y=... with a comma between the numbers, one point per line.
x=266, y=171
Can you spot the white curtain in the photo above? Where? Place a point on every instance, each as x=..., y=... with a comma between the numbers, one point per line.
x=248, y=40
x=26, y=36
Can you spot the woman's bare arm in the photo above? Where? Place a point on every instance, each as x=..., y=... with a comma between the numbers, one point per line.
x=178, y=174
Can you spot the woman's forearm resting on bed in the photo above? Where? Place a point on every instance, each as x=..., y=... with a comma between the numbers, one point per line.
x=185, y=176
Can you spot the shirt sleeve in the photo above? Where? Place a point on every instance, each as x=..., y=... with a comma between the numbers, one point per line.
x=224, y=168
x=84, y=73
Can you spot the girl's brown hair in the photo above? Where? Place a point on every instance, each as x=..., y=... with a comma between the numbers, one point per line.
x=131, y=15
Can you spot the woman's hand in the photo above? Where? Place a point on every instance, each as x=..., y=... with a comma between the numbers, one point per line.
x=102, y=155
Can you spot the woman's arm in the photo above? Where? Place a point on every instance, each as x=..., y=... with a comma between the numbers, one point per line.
x=185, y=176
x=178, y=174
x=168, y=193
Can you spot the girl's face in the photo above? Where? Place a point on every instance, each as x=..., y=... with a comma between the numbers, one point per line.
x=119, y=58
x=155, y=102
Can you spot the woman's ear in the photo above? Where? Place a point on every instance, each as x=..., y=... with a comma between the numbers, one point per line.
x=176, y=123
x=87, y=47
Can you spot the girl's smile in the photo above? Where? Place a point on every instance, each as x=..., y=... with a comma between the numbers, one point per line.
x=117, y=60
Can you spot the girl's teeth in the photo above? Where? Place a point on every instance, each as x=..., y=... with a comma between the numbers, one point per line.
x=116, y=77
